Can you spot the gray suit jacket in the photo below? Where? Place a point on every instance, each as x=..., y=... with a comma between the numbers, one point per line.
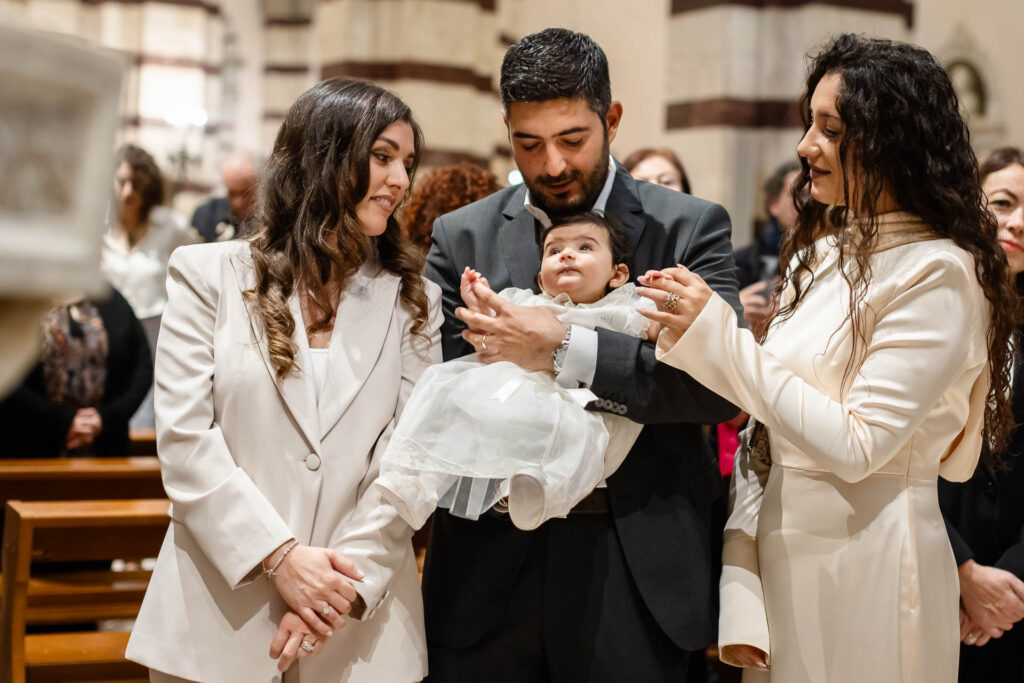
x=661, y=494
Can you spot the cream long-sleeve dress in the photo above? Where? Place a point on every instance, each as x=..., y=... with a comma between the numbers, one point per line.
x=836, y=560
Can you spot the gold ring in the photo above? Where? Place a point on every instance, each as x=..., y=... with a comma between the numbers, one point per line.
x=971, y=639
x=671, y=302
x=483, y=343
x=306, y=646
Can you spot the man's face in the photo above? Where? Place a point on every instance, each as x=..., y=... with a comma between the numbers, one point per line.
x=240, y=184
x=561, y=148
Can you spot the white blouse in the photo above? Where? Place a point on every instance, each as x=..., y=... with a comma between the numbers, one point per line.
x=139, y=272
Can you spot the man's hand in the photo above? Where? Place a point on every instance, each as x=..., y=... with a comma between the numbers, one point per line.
x=992, y=598
x=524, y=335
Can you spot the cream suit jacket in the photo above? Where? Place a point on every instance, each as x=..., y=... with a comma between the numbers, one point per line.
x=249, y=462
x=836, y=558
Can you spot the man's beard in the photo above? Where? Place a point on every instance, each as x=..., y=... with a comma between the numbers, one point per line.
x=591, y=181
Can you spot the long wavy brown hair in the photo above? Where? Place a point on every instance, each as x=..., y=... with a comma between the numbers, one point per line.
x=904, y=135
x=307, y=231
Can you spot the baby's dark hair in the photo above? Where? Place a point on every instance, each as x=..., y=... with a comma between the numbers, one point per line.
x=617, y=240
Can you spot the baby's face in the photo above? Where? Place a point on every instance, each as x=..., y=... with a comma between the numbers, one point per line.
x=577, y=260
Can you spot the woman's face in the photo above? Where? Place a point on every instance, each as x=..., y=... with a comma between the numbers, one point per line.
x=391, y=157
x=658, y=170
x=1005, y=191
x=820, y=144
x=127, y=196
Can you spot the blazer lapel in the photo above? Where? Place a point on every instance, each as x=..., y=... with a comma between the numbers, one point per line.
x=363, y=320
x=298, y=389
x=518, y=240
x=624, y=205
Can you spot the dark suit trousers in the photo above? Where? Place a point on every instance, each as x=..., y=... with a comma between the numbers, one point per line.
x=575, y=615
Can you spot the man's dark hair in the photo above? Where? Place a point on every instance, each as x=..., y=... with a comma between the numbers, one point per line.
x=617, y=240
x=556, y=63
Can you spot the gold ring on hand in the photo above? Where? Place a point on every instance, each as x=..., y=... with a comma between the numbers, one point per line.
x=483, y=343
x=307, y=646
x=671, y=302
x=971, y=639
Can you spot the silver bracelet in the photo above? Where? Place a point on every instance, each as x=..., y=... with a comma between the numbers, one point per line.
x=272, y=572
x=558, y=355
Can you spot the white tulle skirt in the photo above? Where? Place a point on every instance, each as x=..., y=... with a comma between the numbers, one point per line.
x=471, y=433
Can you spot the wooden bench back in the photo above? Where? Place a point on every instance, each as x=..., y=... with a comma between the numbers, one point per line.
x=80, y=479
x=66, y=531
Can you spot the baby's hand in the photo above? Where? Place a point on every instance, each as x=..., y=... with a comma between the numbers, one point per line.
x=469, y=278
x=653, y=330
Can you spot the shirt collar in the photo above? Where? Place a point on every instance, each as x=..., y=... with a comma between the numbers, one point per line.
x=599, y=205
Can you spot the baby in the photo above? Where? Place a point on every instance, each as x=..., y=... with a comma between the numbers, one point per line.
x=474, y=434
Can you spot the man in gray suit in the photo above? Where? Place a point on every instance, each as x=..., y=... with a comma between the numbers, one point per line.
x=621, y=589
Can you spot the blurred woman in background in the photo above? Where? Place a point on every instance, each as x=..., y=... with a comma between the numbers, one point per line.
x=136, y=248
x=94, y=371
x=660, y=166
x=985, y=515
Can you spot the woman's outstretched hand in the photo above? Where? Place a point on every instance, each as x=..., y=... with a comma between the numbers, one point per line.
x=313, y=582
x=680, y=296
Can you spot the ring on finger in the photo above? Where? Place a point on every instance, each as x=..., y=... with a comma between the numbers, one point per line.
x=483, y=342
x=326, y=611
x=971, y=638
x=307, y=646
x=671, y=302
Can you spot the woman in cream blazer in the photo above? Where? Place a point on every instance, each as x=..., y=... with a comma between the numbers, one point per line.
x=873, y=379
x=256, y=459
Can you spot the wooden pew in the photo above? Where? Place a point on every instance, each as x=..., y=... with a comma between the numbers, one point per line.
x=68, y=532
x=142, y=442
x=80, y=479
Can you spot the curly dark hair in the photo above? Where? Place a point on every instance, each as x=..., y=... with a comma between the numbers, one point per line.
x=904, y=135
x=307, y=230
x=146, y=176
x=442, y=190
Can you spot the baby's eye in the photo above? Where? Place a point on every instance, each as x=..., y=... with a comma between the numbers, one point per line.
x=586, y=247
x=553, y=251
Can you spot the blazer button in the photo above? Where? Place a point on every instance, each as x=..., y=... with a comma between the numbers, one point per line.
x=313, y=462
x=621, y=409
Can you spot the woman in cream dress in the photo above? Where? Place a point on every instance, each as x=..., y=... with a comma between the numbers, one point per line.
x=884, y=368
x=283, y=364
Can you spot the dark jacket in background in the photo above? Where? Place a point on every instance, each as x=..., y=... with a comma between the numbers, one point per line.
x=985, y=521
x=35, y=427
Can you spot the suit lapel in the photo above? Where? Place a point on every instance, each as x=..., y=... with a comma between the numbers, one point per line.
x=364, y=318
x=624, y=205
x=518, y=241
x=298, y=389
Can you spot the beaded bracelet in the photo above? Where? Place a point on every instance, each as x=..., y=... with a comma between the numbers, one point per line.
x=272, y=572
